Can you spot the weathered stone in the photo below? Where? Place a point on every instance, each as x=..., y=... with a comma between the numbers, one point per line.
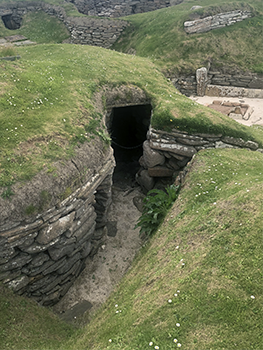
x=241, y=143
x=201, y=79
x=68, y=264
x=217, y=21
x=173, y=164
x=17, y=262
x=19, y=231
x=54, y=267
x=190, y=142
x=6, y=254
x=151, y=157
x=86, y=250
x=252, y=145
x=38, y=260
x=40, y=282
x=221, y=144
x=37, y=248
x=145, y=181
x=19, y=283
x=57, y=253
x=160, y=171
x=25, y=241
x=52, y=231
x=182, y=150
x=85, y=227
x=9, y=275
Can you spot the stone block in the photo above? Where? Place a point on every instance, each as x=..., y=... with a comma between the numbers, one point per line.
x=160, y=171
x=19, y=283
x=151, y=157
x=16, y=263
x=164, y=145
x=145, y=181
x=52, y=231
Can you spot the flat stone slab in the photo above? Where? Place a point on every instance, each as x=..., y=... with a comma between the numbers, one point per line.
x=2, y=41
x=16, y=37
x=26, y=42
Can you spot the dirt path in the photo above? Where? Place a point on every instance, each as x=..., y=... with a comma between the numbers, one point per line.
x=113, y=259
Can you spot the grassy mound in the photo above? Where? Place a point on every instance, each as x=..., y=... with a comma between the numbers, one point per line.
x=39, y=27
x=48, y=105
x=160, y=36
x=198, y=282
x=25, y=325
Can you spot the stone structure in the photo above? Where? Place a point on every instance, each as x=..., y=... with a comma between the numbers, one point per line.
x=83, y=30
x=167, y=153
x=53, y=223
x=201, y=81
x=219, y=20
x=118, y=8
x=223, y=82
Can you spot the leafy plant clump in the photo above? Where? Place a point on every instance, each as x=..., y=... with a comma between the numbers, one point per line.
x=156, y=205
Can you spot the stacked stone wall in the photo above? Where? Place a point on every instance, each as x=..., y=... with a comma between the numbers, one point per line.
x=219, y=20
x=42, y=258
x=118, y=8
x=165, y=154
x=224, y=82
x=83, y=30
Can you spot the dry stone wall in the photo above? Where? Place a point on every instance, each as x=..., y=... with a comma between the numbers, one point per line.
x=165, y=154
x=83, y=30
x=223, y=82
x=118, y=8
x=42, y=255
x=217, y=21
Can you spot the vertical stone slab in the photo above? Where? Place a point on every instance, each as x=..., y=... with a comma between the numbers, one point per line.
x=201, y=80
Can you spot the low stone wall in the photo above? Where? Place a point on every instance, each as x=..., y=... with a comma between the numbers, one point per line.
x=165, y=154
x=41, y=255
x=232, y=91
x=217, y=21
x=83, y=30
x=238, y=79
x=118, y=8
x=226, y=82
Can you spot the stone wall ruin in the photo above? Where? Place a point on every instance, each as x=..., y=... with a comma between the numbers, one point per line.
x=83, y=30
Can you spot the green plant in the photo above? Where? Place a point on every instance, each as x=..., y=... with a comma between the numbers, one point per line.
x=7, y=193
x=31, y=209
x=156, y=205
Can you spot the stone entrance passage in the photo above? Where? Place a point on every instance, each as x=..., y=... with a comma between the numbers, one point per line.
x=11, y=22
x=128, y=128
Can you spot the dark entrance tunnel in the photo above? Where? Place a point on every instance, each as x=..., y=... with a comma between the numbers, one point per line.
x=10, y=22
x=128, y=128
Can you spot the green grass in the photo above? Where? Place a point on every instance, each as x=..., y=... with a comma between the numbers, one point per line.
x=48, y=106
x=68, y=7
x=197, y=280
x=25, y=325
x=206, y=259
x=39, y=27
x=160, y=36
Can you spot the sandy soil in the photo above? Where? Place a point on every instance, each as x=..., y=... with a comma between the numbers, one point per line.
x=256, y=117
x=112, y=261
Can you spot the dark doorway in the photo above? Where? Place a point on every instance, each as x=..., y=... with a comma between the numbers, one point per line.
x=11, y=23
x=128, y=128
